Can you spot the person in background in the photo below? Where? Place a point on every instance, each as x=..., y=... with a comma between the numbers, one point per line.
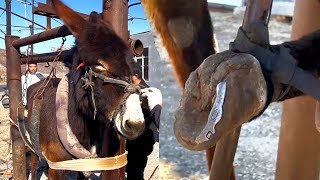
x=32, y=76
x=140, y=148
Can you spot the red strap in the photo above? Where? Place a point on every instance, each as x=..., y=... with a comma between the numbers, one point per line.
x=81, y=65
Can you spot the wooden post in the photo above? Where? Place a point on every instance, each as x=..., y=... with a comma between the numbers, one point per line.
x=299, y=143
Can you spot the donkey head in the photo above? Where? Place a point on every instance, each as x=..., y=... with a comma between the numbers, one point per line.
x=104, y=56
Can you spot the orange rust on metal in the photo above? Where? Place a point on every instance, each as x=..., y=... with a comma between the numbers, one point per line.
x=48, y=10
x=14, y=86
x=256, y=10
x=18, y=154
x=13, y=76
x=299, y=143
x=115, y=12
x=46, y=57
x=8, y=18
x=136, y=46
x=222, y=163
x=43, y=36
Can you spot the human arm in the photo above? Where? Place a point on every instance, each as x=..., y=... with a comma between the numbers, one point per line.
x=277, y=61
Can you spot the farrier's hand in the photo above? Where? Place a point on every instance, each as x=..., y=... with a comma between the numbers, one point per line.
x=153, y=95
x=278, y=61
x=257, y=34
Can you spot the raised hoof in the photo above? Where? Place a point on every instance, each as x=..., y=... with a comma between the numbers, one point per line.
x=226, y=91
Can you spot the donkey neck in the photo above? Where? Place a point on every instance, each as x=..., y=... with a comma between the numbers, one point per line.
x=90, y=132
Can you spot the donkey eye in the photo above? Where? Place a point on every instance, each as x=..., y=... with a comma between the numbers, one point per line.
x=99, y=68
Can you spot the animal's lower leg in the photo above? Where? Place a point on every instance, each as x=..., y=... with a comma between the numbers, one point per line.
x=56, y=175
x=33, y=164
x=209, y=157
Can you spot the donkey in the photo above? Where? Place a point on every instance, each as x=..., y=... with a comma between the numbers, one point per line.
x=100, y=111
x=186, y=31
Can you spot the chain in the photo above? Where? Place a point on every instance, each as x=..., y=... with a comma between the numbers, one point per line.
x=52, y=73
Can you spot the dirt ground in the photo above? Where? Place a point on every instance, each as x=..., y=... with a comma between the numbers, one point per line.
x=5, y=149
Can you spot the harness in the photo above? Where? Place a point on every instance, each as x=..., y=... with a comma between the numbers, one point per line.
x=129, y=88
x=69, y=140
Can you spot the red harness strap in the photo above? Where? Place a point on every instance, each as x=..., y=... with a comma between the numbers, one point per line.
x=81, y=65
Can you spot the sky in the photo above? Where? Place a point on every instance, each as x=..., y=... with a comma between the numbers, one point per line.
x=83, y=6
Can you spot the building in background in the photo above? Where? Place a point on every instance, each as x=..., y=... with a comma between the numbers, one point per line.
x=231, y=3
x=150, y=61
x=280, y=7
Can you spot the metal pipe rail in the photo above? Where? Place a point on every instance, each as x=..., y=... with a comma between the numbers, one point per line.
x=42, y=58
x=43, y=36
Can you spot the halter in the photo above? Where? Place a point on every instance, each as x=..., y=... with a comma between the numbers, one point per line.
x=129, y=88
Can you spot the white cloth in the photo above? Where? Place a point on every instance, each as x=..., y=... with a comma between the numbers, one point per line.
x=28, y=80
x=153, y=95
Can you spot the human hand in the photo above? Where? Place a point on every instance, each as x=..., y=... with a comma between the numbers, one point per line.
x=153, y=95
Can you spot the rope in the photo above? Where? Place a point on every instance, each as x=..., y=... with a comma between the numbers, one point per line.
x=88, y=83
x=52, y=72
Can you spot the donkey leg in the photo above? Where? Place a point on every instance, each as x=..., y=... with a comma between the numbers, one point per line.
x=209, y=157
x=33, y=164
x=56, y=174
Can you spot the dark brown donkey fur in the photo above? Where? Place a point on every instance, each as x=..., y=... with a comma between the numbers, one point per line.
x=95, y=41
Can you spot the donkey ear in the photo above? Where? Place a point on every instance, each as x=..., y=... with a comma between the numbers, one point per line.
x=71, y=19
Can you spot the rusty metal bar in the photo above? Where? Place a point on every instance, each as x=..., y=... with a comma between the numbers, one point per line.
x=15, y=95
x=48, y=11
x=222, y=163
x=18, y=154
x=256, y=10
x=13, y=75
x=299, y=143
x=41, y=58
x=134, y=4
x=116, y=13
x=8, y=8
x=49, y=18
x=43, y=36
x=32, y=28
x=22, y=17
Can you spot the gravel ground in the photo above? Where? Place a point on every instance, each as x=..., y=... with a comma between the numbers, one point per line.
x=257, y=148
x=5, y=149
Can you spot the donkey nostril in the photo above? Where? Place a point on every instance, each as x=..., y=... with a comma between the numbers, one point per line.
x=133, y=126
x=127, y=125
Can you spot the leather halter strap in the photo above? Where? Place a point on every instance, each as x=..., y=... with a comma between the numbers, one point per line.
x=129, y=88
